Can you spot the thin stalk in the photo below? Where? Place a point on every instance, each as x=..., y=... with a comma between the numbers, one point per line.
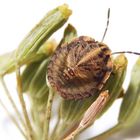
x=23, y=105
x=13, y=119
x=12, y=102
x=65, y=129
x=48, y=115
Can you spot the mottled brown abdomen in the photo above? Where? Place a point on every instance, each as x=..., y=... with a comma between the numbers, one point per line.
x=80, y=69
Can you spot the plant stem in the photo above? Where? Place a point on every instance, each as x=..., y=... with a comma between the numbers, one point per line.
x=48, y=115
x=12, y=102
x=13, y=119
x=23, y=105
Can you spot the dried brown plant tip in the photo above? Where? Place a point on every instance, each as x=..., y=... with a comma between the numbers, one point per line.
x=80, y=68
x=90, y=115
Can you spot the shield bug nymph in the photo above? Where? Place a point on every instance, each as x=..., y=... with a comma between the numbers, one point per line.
x=80, y=68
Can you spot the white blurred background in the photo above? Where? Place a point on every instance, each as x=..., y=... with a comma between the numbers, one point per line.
x=18, y=17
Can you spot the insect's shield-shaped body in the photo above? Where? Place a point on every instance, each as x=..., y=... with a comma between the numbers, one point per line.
x=80, y=68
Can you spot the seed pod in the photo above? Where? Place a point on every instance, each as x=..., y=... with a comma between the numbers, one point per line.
x=80, y=68
x=47, y=26
x=116, y=79
x=28, y=49
x=129, y=111
x=28, y=74
x=34, y=83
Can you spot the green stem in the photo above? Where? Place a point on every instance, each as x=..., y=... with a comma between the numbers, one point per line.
x=23, y=105
x=12, y=102
x=13, y=119
x=48, y=115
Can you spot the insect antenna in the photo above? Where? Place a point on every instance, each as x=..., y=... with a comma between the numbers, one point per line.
x=107, y=24
x=136, y=53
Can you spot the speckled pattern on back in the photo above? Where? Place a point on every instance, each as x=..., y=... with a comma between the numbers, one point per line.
x=80, y=69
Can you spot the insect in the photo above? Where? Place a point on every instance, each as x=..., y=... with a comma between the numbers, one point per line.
x=80, y=68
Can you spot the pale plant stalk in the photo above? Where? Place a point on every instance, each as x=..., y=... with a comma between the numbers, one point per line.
x=48, y=115
x=13, y=119
x=23, y=105
x=12, y=102
x=90, y=115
